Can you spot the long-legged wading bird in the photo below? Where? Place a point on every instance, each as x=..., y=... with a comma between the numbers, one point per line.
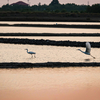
x=88, y=49
x=30, y=52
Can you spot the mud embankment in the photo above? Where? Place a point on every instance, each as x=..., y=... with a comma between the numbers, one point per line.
x=48, y=42
x=15, y=65
x=61, y=18
x=54, y=25
x=50, y=34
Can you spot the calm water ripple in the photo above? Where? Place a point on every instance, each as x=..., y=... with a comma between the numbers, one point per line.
x=50, y=84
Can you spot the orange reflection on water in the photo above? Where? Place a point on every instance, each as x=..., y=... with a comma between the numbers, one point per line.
x=50, y=84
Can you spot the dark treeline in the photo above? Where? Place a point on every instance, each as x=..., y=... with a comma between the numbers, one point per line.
x=52, y=12
x=54, y=8
x=93, y=9
x=45, y=8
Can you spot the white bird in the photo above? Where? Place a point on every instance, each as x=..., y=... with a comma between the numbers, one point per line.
x=30, y=52
x=88, y=49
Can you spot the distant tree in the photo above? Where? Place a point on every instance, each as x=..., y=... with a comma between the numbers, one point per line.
x=52, y=7
x=63, y=10
x=57, y=11
x=94, y=8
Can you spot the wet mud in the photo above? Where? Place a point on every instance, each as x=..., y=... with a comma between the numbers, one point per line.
x=50, y=34
x=47, y=64
x=54, y=25
x=48, y=42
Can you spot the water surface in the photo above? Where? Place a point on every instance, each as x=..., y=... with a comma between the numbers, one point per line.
x=50, y=84
x=17, y=53
x=9, y=29
x=68, y=23
x=47, y=83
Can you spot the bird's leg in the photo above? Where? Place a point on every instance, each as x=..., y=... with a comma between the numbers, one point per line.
x=92, y=56
x=34, y=56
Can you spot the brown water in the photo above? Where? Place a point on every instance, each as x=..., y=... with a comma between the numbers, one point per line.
x=50, y=84
x=58, y=38
x=45, y=30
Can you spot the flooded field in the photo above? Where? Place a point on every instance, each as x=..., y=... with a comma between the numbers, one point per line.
x=50, y=84
x=72, y=83
x=17, y=53
x=45, y=30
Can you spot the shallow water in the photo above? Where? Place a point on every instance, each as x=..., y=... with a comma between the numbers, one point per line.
x=17, y=53
x=74, y=23
x=58, y=38
x=50, y=84
x=6, y=29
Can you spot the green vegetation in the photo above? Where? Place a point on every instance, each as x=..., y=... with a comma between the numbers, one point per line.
x=45, y=8
x=52, y=12
x=93, y=9
x=54, y=6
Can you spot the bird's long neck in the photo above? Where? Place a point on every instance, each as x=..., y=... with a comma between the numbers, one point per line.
x=27, y=50
x=81, y=51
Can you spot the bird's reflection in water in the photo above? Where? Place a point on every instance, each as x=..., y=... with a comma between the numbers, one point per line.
x=87, y=59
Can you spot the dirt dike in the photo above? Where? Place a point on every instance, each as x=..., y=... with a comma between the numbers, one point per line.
x=15, y=65
x=48, y=42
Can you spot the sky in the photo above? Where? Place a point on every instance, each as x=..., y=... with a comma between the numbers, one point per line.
x=35, y=2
